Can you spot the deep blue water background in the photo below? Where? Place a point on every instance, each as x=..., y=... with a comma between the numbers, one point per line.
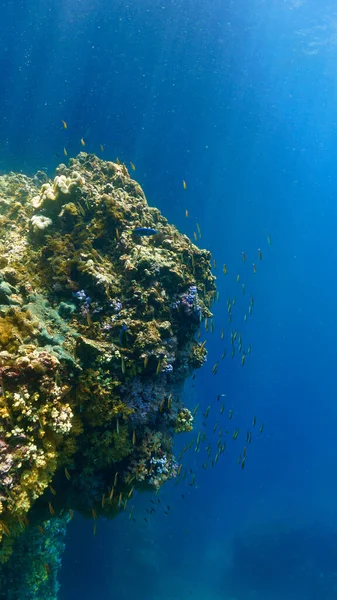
x=239, y=100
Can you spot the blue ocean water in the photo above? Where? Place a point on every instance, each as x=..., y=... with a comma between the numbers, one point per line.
x=238, y=99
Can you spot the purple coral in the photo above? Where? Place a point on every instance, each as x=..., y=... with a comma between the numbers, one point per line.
x=144, y=398
x=162, y=468
x=6, y=464
x=80, y=295
x=188, y=303
x=116, y=305
x=85, y=301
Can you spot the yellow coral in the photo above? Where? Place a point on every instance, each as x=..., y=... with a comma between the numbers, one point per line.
x=184, y=421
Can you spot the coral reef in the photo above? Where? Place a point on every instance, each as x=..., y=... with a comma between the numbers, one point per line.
x=97, y=335
x=32, y=570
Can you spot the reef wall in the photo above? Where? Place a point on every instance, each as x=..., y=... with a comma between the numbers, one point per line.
x=100, y=301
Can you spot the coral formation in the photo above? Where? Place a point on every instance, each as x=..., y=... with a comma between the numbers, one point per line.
x=97, y=335
x=31, y=573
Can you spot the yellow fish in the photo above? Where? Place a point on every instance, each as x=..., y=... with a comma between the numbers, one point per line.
x=193, y=265
x=65, y=152
x=215, y=368
x=81, y=209
x=82, y=142
x=132, y=166
x=51, y=510
x=65, y=126
x=225, y=269
x=5, y=528
x=52, y=490
x=195, y=410
x=101, y=147
x=184, y=185
x=195, y=236
x=186, y=213
x=67, y=474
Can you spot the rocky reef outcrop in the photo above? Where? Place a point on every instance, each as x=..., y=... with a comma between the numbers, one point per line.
x=97, y=335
